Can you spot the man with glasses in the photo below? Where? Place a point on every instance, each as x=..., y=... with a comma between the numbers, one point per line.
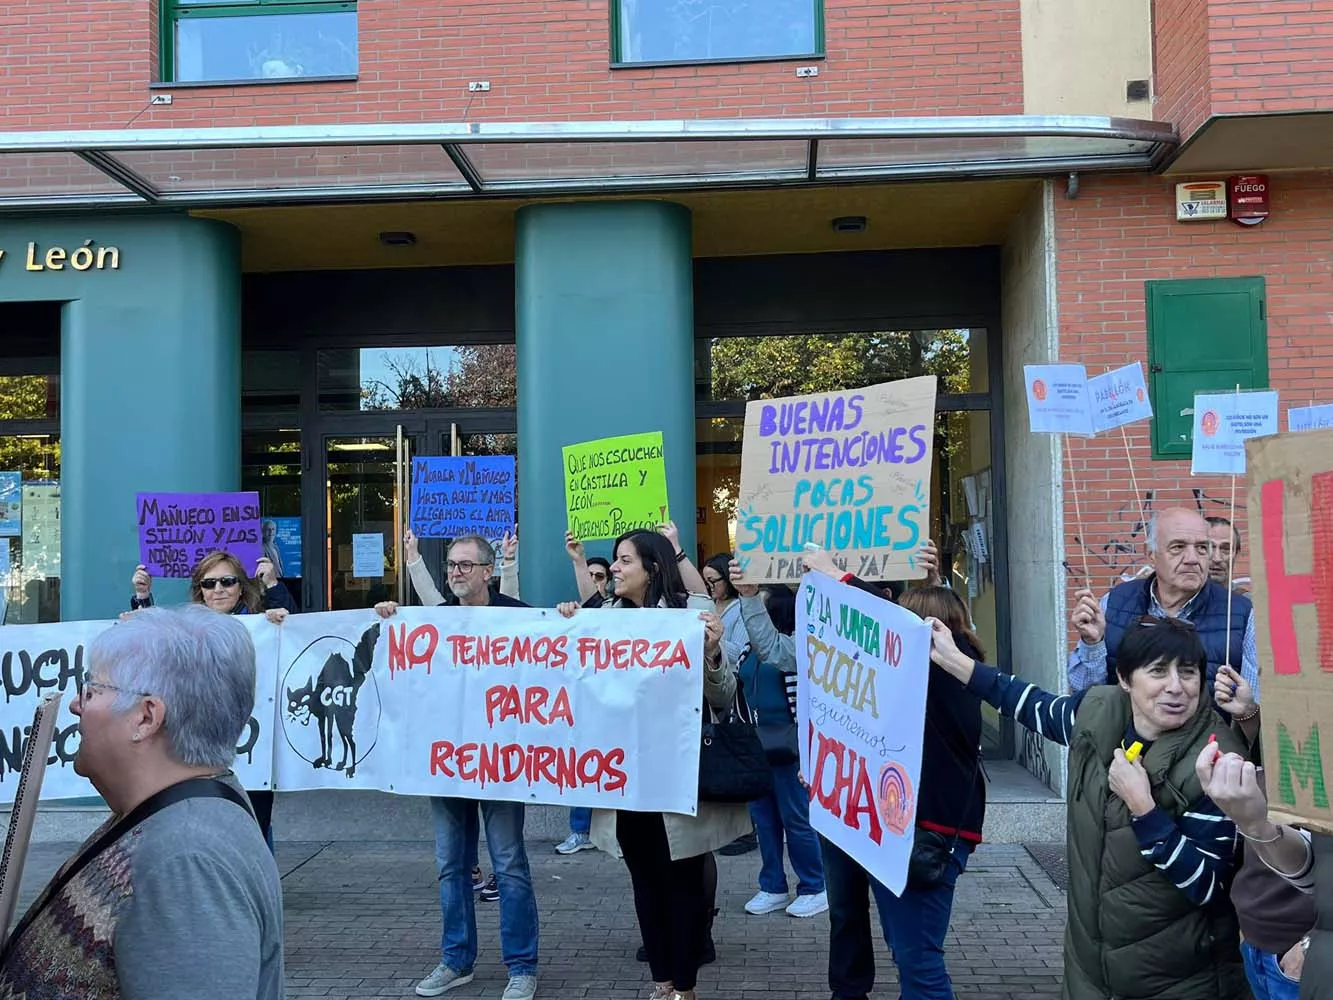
x=1179, y=587
x=600, y=572
x=468, y=567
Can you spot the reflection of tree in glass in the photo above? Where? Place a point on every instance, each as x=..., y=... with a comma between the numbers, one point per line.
x=773, y=367
x=301, y=52
x=26, y=397
x=482, y=376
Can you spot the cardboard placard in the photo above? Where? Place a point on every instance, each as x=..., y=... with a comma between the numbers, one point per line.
x=23, y=811
x=454, y=496
x=1290, y=515
x=848, y=471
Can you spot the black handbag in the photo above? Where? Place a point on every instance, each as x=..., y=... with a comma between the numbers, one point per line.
x=733, y=766
x=932, y=851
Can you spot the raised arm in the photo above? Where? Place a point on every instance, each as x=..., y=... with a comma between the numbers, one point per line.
x=689, y=573
x=578, y=558
x=421, y=581
x=1087, y=663
x=1049, y=716
x=509, y=568
x=770, y=645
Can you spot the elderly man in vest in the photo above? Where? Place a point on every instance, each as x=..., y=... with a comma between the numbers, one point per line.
x=1179, y=587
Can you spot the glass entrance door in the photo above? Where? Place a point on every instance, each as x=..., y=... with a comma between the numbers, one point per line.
x=366, y=469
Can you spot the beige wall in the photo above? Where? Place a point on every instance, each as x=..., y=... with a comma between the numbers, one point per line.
x=1032, y=472
x=1079, y=54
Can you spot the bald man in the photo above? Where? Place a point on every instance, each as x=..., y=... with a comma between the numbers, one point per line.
x=1178, y=587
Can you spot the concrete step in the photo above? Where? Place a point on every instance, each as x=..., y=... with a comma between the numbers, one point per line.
x=1019, y=809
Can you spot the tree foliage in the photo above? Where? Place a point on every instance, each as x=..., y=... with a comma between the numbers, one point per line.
x=483, y=375
x=25, y=397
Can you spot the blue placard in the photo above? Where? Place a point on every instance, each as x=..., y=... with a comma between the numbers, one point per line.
x=282, y=544
x=470, y=495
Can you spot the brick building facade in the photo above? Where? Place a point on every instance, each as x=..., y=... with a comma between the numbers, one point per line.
x=993, y=178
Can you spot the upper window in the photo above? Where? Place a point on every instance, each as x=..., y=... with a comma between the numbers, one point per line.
x=692, y=31
x=220, y=41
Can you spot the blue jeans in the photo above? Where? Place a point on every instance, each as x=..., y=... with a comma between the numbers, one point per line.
x=786, y=810
x=580, y=821
x=914, y=924
x=1265, y=974
x=456, y=830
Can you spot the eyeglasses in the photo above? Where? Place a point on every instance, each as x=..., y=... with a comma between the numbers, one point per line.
x=597, y=575
x=464, y=567
x=91, y=685
x=209, y=582
x=712, y=581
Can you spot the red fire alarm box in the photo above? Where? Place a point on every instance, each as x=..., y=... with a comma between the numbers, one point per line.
x=1247, y=199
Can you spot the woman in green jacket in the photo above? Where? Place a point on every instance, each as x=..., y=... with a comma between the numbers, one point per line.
x=1150, y=855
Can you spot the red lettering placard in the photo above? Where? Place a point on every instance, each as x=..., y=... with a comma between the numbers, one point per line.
x=1291, y=522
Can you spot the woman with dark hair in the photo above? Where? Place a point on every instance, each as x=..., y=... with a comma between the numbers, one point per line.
x=950, y=811
x=1150, y=854
x=716, y=574
x=665, y=852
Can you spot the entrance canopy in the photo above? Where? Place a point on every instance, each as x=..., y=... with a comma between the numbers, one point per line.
x=215, y=167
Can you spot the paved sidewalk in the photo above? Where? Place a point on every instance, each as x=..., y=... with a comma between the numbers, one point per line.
x=363, y=920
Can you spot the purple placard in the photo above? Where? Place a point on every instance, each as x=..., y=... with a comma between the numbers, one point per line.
x=176, y=530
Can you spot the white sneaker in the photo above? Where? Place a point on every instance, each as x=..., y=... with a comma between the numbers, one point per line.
x=441, y=980
x=574, y=843
x=520, y=988
x=766, y=902
x=808, y=906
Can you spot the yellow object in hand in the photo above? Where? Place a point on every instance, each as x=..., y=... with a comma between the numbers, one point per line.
x=1133, y=752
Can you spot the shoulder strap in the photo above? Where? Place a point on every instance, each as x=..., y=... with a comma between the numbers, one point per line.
x=193, y=788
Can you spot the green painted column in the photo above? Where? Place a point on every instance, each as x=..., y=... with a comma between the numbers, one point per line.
x=150, y=381
x=605, y=329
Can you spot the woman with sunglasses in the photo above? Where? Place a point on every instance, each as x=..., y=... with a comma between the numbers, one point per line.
x=220, y=583
x=667, y=853
x=1150, y=854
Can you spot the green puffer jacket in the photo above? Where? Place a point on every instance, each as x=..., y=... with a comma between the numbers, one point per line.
x=1132, y=935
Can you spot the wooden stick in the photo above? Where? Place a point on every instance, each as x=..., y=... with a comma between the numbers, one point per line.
x=1134, y=479
x=1078, y=513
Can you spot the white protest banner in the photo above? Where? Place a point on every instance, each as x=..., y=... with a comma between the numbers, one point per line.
x=518, y=704
x=1310, y=418
x=1058, y=399
x=848, y=471
x=1119, y=397
x=36, y=660
x=1223, y=421
x=863, y=665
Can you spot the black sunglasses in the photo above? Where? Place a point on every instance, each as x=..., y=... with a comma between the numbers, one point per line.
x=209, y=582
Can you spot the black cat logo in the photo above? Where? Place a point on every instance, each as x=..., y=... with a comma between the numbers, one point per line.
x=331, y=698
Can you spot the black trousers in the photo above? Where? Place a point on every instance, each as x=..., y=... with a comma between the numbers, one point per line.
x=262, y=803
x=668, y=898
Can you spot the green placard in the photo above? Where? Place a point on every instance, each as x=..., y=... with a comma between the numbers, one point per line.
x=614, y=485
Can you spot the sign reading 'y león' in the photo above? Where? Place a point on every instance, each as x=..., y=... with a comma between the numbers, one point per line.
x=848, y=471
x=1291, y=522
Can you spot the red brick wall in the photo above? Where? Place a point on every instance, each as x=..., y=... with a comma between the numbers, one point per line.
x=1180, y=63
x=88, y=63
x=1271, y=56
x=1121, y=232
